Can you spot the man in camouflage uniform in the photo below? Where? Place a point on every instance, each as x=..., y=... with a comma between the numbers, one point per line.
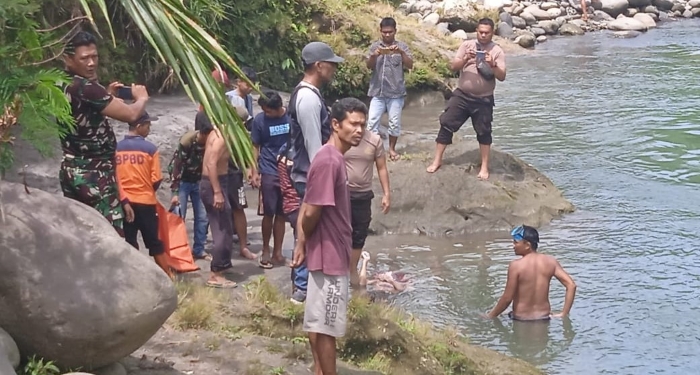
x=88, y=170
x=185, y=173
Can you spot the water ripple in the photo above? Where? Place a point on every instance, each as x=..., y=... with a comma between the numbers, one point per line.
x=616, y=124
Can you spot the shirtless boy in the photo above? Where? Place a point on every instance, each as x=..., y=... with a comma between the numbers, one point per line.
x=527, y=285
x=213, y=190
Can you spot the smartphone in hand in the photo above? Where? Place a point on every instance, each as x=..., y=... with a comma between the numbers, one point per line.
x=124, y=93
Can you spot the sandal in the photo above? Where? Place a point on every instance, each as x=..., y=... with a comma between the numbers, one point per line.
x=265, y=264
x=226, y=284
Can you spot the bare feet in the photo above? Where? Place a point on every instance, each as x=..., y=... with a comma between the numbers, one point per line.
x=245, y=253
x=393, y=155
x=483, y=174
x=278, y=259
x=432, y=168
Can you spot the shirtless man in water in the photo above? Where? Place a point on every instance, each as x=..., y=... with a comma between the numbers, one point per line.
x=213, y=190
x=528, y=281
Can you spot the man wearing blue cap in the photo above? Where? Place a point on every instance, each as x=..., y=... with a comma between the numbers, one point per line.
x=527, y=285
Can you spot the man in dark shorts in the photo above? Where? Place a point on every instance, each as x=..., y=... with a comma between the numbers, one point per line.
x=87, y=171
x=360, y=161
x=324, y=219
x=139, y=174
x=480, y=62
x=270, y=132
x=527, y=285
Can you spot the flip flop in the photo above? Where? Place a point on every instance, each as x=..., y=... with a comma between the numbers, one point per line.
x=226, y=284
x=266, y=264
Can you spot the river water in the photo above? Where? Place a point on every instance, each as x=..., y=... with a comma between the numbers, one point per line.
x=615, y=123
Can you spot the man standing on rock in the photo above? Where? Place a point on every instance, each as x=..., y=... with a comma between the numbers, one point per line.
x=388, y=58
x=359, y=162
x=309, y=127
x=527, y=285
x=88, y=170
x=185, y=174
x=480, y=62
x=324, y=219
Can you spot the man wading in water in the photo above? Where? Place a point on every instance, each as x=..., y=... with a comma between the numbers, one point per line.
x=480, y=62
x=528, y=281
x=88, y=172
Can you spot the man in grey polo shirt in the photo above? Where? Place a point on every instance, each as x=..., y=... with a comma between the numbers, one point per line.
x=388, y=58
x=310, y=128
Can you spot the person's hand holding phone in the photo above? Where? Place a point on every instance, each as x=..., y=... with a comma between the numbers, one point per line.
x=139, y=92
x=114, y=87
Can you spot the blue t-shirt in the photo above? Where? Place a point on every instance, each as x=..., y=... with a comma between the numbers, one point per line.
x=270, y=134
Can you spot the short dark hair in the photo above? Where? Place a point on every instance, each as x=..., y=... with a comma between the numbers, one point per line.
x=531, y=235
x=80, y=39
x=271, y=100
x=342, y=107
x=387, y=22
x=249, y=73
x=202, y=123
x=308, y=67
x=487, y=21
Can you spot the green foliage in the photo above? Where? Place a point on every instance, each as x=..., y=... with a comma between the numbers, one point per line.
x=39, y=367
x=30, y=95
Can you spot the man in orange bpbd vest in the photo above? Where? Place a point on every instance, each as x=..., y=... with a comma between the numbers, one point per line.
x=139, y=175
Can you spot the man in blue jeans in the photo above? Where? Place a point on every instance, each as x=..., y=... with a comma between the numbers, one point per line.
x=388, y=58
x=309, y=128
x=185, y=173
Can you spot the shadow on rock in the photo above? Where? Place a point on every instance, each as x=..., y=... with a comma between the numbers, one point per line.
x=71, y=290
x=454, y=201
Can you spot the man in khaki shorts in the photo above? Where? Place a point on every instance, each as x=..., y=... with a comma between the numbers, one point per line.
x=325, y=235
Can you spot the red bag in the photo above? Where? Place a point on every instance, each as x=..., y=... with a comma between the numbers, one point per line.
x=173, y=233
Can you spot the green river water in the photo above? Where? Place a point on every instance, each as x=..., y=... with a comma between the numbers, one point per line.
x=615, y=123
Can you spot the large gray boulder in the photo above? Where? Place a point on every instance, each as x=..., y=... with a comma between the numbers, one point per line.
x=663, y=4
x=570, y=29
x=614, y=7
x=6, y=367
x=639, y=3
x=454, y=201
x=645, y=19
x=8, y=349
x=627, y=24
x=72, y=290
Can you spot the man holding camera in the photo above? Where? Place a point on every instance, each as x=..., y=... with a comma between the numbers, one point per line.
x=388, y=58
x=88, y=172
x=480, y=62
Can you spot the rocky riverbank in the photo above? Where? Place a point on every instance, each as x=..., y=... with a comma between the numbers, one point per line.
x=530, y=22
x=256, y=322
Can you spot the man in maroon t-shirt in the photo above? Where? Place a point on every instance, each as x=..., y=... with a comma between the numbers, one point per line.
x=325, y=235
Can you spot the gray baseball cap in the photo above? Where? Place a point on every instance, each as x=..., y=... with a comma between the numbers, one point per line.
x=319, y=51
